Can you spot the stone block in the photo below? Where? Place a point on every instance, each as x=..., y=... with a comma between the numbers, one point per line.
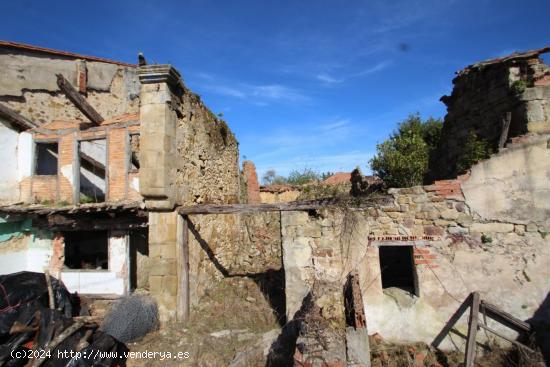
x=449, y=214
x=155, y=284
x=519, y=229
x=163, y=267
x=494, y=227
x=168, y=251
x=310, y=230
x=464, y=219
x=458, y=230
x=162, y=227
x=170, y=284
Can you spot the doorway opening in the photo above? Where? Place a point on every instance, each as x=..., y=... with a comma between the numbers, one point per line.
x=397, y=268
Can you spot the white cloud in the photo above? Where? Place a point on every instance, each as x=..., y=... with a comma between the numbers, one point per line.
x=375, y=68
x=260, y=95
x=344, y=162
x=327, y=79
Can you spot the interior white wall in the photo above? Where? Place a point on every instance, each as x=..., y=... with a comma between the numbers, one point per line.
x=25, y=154
x=9, y=184
x=115, y=280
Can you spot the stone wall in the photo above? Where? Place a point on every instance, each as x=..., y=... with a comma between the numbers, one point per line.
x=232, y=245
x=28, y=85
x=482, y=95
x=455, y=251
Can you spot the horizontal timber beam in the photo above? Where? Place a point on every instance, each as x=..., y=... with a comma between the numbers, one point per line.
x=272, y=207
x=80, y=102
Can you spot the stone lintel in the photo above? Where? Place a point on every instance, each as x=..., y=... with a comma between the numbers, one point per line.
x=163, y=73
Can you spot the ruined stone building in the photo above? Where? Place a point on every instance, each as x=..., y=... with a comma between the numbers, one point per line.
x=81, y=190
x=117, y=177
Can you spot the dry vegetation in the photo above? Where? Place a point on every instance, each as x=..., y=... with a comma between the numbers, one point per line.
x=386, y=354
x=234, y=307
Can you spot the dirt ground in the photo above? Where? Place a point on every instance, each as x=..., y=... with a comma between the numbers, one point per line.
x=231, y=317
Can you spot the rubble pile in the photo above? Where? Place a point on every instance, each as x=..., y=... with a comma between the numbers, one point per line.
x=39, y=327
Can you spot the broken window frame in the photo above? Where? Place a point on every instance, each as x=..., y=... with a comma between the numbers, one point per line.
x=35, y=154
x=414, y=271
x=80, y=269
x=78, y=188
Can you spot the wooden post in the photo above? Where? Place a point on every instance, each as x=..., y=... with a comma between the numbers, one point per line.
x=79, y=101
x=182, y=263
x=472, y=331
x=505, y=128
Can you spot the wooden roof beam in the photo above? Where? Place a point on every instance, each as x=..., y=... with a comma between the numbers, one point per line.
x=93, y=165
x=15, y=118
x=80, y=102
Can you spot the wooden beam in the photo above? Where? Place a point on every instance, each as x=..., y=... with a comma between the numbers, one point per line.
x=182, y=263
x=505, y=318
x=15, y=118
x=517, y=344
x=505, y=128
x=96, y=166
x=257, y=208
x=79, y=101
x=470, y=353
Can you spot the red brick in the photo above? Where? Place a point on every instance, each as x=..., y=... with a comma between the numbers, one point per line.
x=252, y=185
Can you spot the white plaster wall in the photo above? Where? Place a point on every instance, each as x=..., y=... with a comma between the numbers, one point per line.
x=25, y=154
x=13, y=262
x=39, y=253
x=513, y=185
x=33, y=253
x=9, y=185
x=511, y=272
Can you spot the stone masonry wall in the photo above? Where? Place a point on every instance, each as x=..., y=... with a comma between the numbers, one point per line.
x=482, y=95
x=229, y=245
x=455, y=252
x=28, y=85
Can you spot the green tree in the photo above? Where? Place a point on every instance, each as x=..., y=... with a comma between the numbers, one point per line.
x=474, y=149
x=302, y=177
x=402, y=160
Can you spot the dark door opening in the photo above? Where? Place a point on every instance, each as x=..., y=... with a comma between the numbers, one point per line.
x=86, y=250
x=397, y=268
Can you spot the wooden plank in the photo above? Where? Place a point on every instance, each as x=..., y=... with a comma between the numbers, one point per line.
x=505, y=318
x=452, y=321
x=505, y=128
x=518, y=344
x=257, y=208
x=97, y=167
x=470, y=353
x=15, y=118
x=79, y=101
x=182, y=263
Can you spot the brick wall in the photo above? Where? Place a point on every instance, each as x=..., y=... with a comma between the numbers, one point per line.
x=118, y=164
x=66, y=156
x=252, y=185
x=44, y=188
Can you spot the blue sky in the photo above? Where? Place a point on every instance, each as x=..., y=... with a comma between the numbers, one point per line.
x=314, y=83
